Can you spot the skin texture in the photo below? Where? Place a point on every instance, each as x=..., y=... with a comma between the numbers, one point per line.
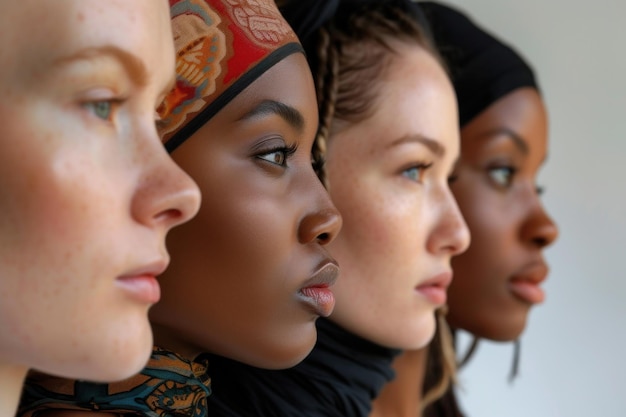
x=401, y=223
x=497, y=193
x=88, y=192
x=237, y=269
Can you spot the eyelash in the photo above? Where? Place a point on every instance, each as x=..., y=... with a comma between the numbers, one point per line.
x=420, y=167
x=285, y=151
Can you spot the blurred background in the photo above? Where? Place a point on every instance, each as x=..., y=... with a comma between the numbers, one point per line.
x=572, y=357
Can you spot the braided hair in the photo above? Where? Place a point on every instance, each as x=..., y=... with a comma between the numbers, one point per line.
x=352, y=47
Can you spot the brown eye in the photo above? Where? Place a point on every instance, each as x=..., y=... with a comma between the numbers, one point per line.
x=277, y=157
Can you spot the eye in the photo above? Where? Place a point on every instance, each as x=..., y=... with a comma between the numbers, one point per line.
x=416, y=172
x=278, y=156
x=503, y=176
x=102, y=109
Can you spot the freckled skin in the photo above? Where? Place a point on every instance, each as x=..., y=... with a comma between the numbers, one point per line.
x=261, y=233
x=84, y=200
x=509, y=227
x=397, y=232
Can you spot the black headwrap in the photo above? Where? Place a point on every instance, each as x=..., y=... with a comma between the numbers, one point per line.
x=483, y=68
x=306, y=17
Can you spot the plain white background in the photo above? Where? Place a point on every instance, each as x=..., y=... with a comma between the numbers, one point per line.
x=574, y=350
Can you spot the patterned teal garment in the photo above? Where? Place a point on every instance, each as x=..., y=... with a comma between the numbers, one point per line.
x=169, y=386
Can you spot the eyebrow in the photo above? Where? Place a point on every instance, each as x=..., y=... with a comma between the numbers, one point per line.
x=519, y=141
x=268, y=107
x=132, y=64
x=434, y=146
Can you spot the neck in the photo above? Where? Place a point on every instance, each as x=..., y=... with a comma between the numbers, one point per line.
x=402, y=397
x=11, y=381
x=168, y=339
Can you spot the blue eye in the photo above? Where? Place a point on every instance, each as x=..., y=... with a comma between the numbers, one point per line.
x=278, y=156
x=101, y=109
x=503, y=176
x=416, y=172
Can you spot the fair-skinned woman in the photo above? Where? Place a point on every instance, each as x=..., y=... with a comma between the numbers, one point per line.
x=504, y=138
x=88, y=193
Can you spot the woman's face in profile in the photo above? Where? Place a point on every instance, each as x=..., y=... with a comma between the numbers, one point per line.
x=87, y=191
x=388, y=176
x=249, y=275
x=498, y=279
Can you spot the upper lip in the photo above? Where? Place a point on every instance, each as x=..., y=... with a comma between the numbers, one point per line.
x=325, y=275
x=442, y=279
x=534, y=272
x=153, y=268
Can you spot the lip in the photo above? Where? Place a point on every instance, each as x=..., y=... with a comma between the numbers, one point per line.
x=435, y=289
x=316, y=292
x=525, y=285
x=141, y=283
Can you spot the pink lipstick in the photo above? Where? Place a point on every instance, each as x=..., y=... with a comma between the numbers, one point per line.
x=316, y=292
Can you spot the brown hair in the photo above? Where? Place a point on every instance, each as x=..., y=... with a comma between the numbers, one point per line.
x=349, y=56
x=351, y=52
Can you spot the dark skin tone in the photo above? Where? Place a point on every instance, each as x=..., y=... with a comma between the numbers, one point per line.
x=502, y=150
x=233, y=285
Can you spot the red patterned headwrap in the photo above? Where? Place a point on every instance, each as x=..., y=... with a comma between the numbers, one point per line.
x=222, y=46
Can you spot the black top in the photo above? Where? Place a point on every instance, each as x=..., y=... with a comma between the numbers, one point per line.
x=341, y=377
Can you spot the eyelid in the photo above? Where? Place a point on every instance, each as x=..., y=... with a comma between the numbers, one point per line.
x=286, y=150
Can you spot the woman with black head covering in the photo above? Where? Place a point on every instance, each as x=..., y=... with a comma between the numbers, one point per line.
x=387, y=171
x=503, y=145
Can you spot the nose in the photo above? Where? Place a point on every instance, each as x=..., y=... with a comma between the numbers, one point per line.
x=166, y=196
x=322, y=221
x=539, y=230
x=451, y=235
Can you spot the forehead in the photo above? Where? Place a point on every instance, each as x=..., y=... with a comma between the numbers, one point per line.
x=416, y=97
x=37, y=33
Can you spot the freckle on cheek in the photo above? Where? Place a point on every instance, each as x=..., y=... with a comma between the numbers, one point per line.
x=80, y=17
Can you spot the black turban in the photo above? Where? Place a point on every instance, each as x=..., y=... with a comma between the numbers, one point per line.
x=483, y=69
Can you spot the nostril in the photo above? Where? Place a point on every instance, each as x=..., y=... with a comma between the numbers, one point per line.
x=323, y=238
x=175, y=215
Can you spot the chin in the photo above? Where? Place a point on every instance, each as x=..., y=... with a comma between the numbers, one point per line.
x=414, y=336
x=288, y=353
x=497, y=331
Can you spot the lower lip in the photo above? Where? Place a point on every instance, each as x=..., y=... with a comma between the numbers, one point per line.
x=321, y=299
x=528, y=292
x=144, y=288
x=433, y=293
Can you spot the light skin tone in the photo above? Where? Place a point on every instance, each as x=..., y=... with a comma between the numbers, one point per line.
x=502, y=150
x=236, y=286
x=88, y=192
x=388, y=176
